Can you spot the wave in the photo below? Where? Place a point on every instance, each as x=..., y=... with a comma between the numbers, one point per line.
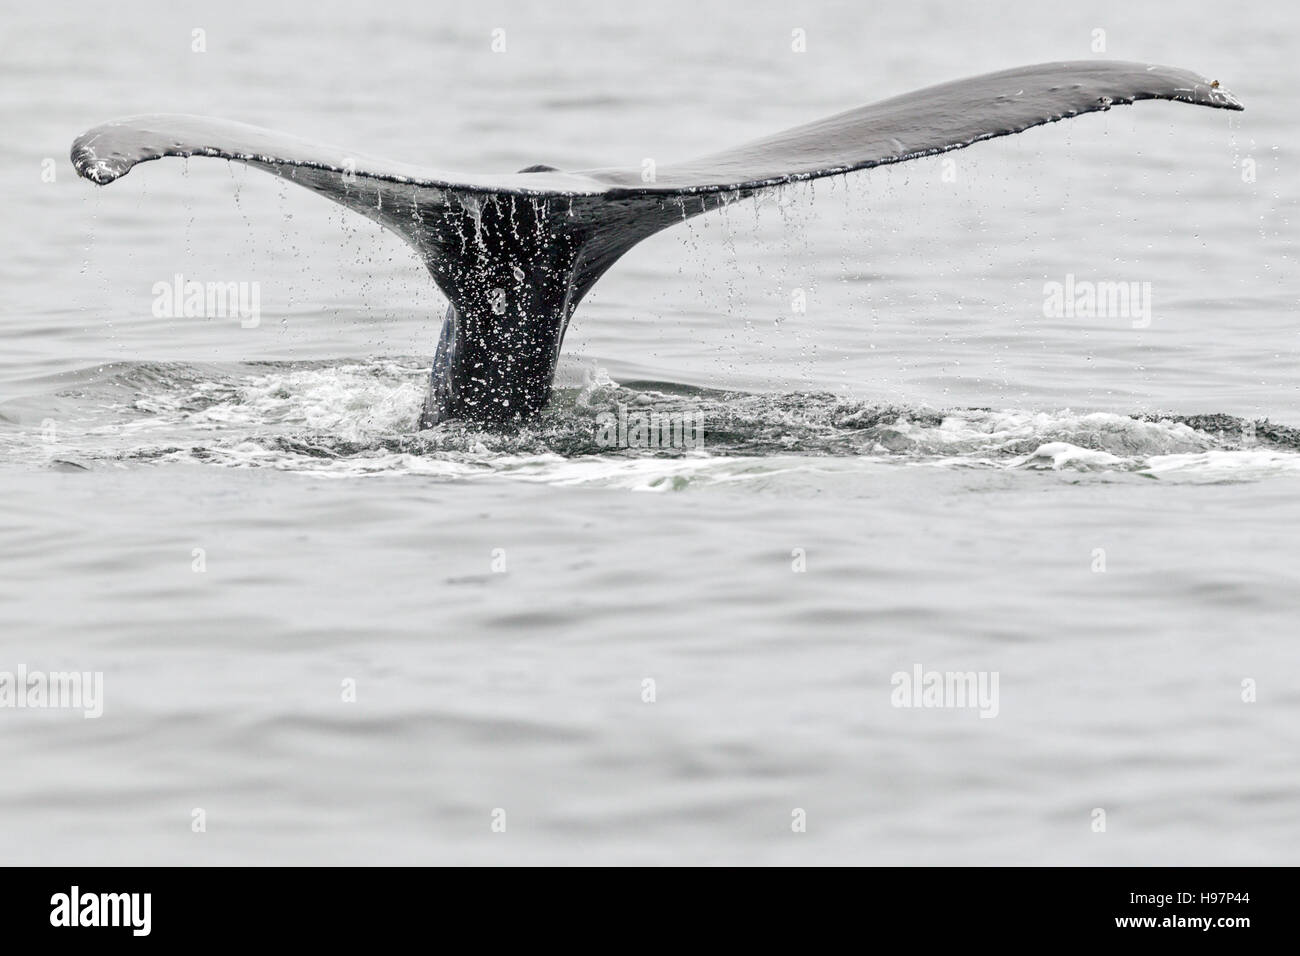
x=358, y=418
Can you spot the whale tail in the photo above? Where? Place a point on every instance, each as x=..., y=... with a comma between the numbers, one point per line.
x=514, y=254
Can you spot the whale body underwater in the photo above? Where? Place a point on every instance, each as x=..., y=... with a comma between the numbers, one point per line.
x=514, y=254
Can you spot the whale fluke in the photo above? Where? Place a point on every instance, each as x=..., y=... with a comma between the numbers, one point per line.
x=515, y=253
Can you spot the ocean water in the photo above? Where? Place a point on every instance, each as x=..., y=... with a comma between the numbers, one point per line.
x=346, y=641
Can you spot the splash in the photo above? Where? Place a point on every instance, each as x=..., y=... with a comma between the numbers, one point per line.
x=355, y=419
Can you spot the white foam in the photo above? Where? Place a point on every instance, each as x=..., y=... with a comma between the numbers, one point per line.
x=357, y=419
x=974, y=432
x=1215, y=466
x=1059, y=454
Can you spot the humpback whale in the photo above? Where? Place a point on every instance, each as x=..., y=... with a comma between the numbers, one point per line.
x=514, y=254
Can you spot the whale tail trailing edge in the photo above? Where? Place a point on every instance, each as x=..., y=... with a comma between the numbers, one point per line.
x=514, y=254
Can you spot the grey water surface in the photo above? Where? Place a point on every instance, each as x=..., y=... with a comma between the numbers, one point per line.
x=348, y=641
